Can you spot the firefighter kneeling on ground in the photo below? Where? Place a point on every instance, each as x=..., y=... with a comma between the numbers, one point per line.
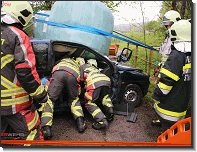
x=97, y=87
x=20, y=83
x=65, y=74
x=173, y=91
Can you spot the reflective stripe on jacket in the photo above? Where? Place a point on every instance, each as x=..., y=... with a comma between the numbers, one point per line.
x=174, y=88
x=19, y=78
x=70, y=66
x=93, y=77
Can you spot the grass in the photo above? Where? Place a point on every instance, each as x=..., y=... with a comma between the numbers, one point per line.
x=151, y=40
x=143, y=53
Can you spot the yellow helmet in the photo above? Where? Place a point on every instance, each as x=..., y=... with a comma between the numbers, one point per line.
x=92, y=62
x=180, y=31
x=20, y=10
x=170, y=18
x=80, y=61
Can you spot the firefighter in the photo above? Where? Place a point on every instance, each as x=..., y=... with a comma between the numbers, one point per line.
x=20, y=83
x=65, y=74
x=169, y=19
x=174, y=84
x=97, y=87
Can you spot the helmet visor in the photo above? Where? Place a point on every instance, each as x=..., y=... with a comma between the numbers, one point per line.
x=166, y=21
x=8, y=19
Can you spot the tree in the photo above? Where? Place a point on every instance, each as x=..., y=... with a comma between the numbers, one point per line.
x=40, y=5
x=112, y=5
x=151, y=26
x=183, y=7
x=47, y=5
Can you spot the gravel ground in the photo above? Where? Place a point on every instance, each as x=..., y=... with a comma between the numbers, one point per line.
x=119, y=130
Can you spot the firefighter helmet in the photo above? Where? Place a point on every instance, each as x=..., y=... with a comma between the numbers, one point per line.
x=20, y=10
x=180, y=31
x=80, y=61
x=170, y=18
x=92, y=62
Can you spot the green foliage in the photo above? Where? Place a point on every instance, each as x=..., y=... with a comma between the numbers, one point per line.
x=46, y=5
x=151, y=25
x=112, y=5
x=40, y=5
x=152, y=40
x=177, y=6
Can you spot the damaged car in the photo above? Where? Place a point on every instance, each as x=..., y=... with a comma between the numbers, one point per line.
x=128, y=85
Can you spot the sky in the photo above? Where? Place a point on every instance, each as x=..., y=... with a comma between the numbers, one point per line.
x=127, y=14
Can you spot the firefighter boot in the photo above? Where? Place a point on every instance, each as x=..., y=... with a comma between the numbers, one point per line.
x=110, y=114
x=81, y=126
x=156, y=123
x=103, y=124
x=46, y=132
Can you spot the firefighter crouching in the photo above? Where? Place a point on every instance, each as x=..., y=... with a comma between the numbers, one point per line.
x=169, y=19
x=20, y=83
x=65, y=74
x=174, y=84
x=97, y=87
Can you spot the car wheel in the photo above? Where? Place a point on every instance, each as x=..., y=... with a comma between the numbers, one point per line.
x=133, y=93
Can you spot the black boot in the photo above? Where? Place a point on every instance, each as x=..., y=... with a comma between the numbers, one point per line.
x=103, y=124
x=156, y=122
x=46, y=132
x=110, y=114
x=81, y=126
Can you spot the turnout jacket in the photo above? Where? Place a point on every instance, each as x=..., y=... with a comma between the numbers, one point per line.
x=68, y=65
x=165, y=49
x=174, y=87
x=19, y=78
x=93, y=77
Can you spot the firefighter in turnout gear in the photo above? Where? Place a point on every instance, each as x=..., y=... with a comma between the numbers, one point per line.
x=65, y=74
x=169, y=19
x=174, y=84
x=20, y=83
x=97, y=87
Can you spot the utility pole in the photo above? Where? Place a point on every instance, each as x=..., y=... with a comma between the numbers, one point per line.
x=144, y=33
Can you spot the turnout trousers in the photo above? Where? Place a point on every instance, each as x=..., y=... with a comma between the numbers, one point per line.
x=59, y=80
x=24, y=124
x=165, y=124
x=92, y=96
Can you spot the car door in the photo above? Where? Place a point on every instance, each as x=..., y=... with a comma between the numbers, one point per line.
x=104, y=64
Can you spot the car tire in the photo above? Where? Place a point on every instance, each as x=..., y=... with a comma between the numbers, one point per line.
x=133, y=93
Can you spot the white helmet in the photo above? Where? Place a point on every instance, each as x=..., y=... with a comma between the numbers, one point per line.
x=170, y=18
x=80, y=61
x=180, y=31
x=92, y=62
x=21, y=11
x=189, y=20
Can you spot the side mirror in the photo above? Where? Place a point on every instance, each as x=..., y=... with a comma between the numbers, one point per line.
x=125, y=55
